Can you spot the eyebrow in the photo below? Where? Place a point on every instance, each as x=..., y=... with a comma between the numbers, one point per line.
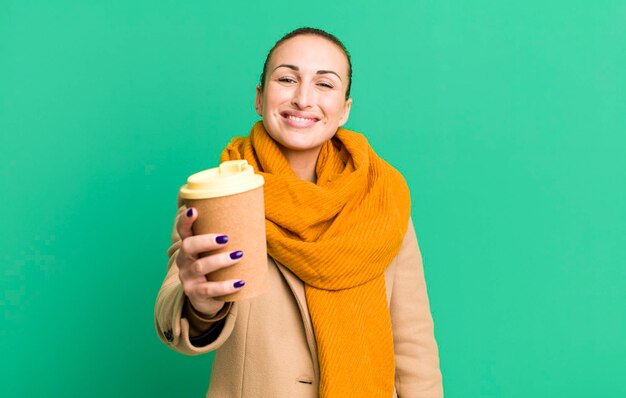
x=319, y=72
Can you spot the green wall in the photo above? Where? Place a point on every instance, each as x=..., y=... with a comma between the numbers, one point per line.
x=508, y=120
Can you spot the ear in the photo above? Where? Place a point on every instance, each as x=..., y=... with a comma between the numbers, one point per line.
x=258, y=102
x=346, y=112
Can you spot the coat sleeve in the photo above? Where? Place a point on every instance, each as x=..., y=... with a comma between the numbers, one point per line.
x=171, y=322
x=417, y=360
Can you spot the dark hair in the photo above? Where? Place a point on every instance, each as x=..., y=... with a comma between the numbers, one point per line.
x=314, y=32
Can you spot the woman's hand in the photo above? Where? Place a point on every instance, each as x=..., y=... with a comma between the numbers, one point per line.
x=193, y=269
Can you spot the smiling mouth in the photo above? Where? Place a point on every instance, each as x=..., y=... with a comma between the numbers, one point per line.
x=299, y=119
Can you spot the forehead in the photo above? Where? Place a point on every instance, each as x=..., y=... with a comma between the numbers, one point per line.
x=310, y=52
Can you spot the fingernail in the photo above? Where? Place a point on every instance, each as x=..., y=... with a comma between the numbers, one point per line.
x=235, y=255
x=239, y=284
x=189, y=212
x=221, y=239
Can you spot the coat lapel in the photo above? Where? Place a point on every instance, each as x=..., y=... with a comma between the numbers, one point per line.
x=297, y=288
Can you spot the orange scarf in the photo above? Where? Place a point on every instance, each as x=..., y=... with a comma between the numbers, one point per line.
x=338, y=236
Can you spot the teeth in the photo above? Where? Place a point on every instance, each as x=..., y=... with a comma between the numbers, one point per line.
x=299, y=119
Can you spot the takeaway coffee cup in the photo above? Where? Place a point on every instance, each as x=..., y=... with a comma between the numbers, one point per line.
x=229, y=200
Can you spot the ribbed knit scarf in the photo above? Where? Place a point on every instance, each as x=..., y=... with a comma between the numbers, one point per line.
x=338, y=236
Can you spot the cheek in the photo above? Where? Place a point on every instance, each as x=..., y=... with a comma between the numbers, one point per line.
x=334, y=107
x=276, y=96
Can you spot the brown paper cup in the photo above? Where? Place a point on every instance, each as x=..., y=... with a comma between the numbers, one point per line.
x=241, y=216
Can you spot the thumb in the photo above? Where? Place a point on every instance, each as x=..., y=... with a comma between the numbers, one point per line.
x=185, y=222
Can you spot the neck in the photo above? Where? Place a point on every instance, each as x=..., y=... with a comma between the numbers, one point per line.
x=303, y=163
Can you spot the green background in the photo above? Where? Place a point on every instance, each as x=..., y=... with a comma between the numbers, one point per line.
x=508, y=120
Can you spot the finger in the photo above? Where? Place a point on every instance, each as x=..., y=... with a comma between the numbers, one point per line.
x=211, y=263
x=194, y=245
x=185, y=221
x=208, y=290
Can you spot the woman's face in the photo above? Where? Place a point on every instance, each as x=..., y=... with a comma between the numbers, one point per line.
x=303, y=100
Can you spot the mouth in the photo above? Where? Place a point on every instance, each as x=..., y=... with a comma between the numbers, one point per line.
x=299, y=119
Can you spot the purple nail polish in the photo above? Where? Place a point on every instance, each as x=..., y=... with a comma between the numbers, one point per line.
x=235, y=255
x=222, y=239
x=239, y=284
x=189, y=212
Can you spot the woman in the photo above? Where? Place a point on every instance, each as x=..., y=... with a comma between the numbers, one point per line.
x=347, y=313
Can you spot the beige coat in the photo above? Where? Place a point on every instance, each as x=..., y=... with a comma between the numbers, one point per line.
x=266, y=347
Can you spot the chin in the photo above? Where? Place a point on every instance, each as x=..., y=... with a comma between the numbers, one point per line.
x=301, y=147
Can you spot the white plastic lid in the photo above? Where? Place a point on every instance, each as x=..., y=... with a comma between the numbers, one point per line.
x=230, y=178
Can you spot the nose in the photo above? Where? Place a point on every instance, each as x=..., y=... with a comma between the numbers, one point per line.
x=303, y=96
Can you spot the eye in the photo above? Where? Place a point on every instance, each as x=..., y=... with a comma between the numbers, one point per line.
x=325, y=85
x=286, y=80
